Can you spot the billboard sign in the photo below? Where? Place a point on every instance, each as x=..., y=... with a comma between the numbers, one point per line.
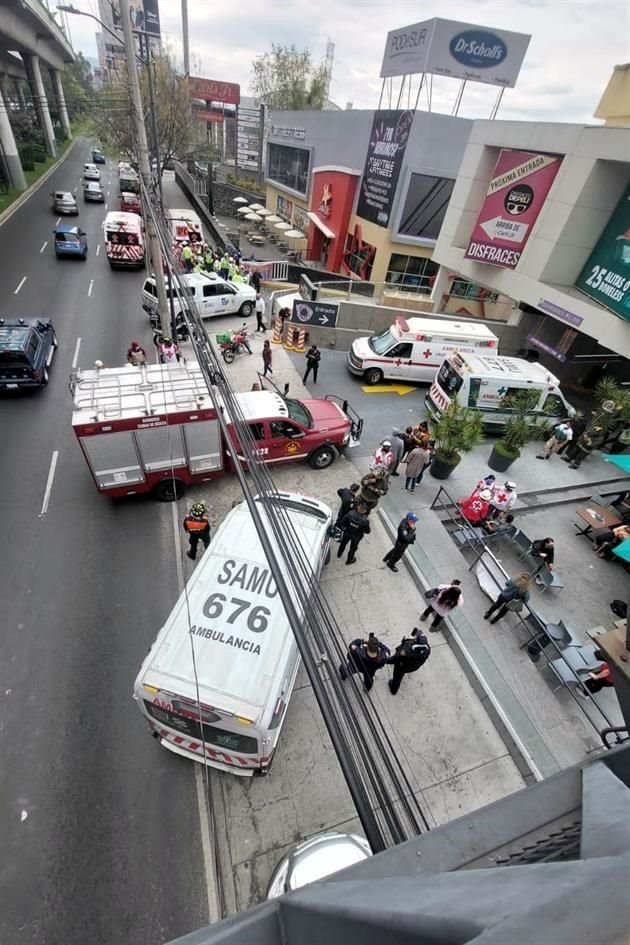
x=212, y=90
x=145, y=15
x=321, y=314
x=606, y=275
x=386, y=150
x=516, y=193
x=457, y=50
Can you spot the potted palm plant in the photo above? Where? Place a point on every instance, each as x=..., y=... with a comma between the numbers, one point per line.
x=518, y=431
x=456, y=432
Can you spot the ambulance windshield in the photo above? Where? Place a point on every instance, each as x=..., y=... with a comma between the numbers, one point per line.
x=380, y=344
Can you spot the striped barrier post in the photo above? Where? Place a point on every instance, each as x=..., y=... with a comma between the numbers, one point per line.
x=301, y=341
x=276, y=338
x=292, y=337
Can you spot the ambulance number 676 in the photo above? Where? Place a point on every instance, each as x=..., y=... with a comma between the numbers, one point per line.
x=257, y=617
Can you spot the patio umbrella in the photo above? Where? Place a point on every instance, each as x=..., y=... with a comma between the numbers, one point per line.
x=253, y=217
x=282, y=226
x=274, y=218
x=239, y=200
x=295, y=235
x=256, y=206
x=622, y=460
x=264, y=212
x=244, y=210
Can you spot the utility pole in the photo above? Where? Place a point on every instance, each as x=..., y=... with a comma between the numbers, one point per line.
x=185, y=37
x=137, y=114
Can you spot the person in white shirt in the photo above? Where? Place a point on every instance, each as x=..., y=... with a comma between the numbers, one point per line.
x=260, y=313
x=561, y=435
x=383, y=457
x=503, y=499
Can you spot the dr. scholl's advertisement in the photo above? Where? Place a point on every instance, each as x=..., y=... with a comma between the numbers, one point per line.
x=606, y=275
x=390, y=134
x=520, y=183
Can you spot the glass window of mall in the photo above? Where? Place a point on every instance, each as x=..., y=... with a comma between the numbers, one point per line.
x=425, y=206
x=412, y=273
x=289, y=166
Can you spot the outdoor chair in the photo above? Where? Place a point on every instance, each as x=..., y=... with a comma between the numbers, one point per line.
x=573, y=666
x=466, y=536
x=547, y=632
x=522, y=542
x=546, y=578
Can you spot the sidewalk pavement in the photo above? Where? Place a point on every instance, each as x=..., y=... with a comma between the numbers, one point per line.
x=456, y=759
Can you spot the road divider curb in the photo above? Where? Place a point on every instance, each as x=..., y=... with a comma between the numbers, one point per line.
x=19, y=201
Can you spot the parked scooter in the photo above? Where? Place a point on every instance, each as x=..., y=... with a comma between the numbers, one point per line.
x=238, y=344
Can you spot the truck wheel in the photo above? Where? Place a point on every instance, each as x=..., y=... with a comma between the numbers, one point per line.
x=168, y=490
x=323, y=457
x=373, y=376
x=246, y=309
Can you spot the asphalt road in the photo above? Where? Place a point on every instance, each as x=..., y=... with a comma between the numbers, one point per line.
x=100, y=826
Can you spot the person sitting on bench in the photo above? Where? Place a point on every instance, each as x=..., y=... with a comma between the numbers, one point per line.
x=608, y=538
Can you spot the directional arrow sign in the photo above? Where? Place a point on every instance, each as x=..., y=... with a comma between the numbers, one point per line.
x=510, y=230
x=314, y=313
x=323, y=320
x=400, y=389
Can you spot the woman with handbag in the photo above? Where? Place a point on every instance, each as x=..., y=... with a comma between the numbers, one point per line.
x=442, y=600
x=512, y=597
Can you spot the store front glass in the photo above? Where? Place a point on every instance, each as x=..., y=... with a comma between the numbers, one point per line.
x=412, y=273
x=289, y=167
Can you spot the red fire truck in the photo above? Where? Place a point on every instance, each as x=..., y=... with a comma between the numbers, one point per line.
x=153, y=428
x=124, y=240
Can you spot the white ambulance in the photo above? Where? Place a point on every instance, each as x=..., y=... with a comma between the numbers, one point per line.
x=412, y=349
x=124, y=240
x=488, y=384
x=184, y=225
x=230, y=703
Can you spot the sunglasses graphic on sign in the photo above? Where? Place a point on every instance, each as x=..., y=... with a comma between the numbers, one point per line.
x=519, y=199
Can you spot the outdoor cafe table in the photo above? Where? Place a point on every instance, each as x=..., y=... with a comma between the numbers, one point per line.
x=595, y=516
x=622, y=550
x=256, y=240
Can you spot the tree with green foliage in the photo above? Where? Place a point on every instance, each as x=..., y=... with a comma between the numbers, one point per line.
x=286, y=79
x=177, y=129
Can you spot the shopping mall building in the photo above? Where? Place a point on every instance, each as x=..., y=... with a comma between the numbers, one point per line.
x=524, y=223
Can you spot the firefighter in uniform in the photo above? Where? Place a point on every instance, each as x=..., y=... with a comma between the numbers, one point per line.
x=197, y=526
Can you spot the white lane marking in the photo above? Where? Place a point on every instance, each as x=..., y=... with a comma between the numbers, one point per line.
x=21, y=283
x=91, y=287
x=105, y=205
x=75, y=356
x=98, y=249
x=75, y=190
x=23, y=816
x=58, y=221
x=44, y=245
x=49, y=482
x=204, y=821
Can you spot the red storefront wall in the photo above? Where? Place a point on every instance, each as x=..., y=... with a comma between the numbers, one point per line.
x=331, y=201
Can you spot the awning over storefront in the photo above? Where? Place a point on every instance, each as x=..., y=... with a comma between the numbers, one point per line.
x=320, y=226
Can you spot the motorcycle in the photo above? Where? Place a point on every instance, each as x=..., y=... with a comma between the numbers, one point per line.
x=238, y=344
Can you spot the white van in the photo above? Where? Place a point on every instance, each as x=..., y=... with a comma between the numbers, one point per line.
x=213, y=295
x=487, y=384
x=412, y=349
x=184, y=225
x=231, y=702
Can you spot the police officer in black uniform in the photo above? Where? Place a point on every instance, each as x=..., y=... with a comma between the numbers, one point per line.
x=405, y=537
x=365, y=657
x=348, y=501
x=354, y=526
x=411, y=653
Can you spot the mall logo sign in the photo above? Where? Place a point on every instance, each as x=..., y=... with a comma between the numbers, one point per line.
x=478, y=49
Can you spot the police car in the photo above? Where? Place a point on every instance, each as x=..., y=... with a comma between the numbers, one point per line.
x=27, y=348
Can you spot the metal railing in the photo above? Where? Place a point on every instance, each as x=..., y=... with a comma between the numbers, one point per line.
x=473, y=544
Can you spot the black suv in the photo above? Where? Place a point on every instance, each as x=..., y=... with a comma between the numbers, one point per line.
x=27, y=347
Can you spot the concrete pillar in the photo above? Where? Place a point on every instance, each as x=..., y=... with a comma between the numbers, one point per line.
x=41, y=102
x=9, y=149
x=440, y=287
x=19, y=87
x=61, y=101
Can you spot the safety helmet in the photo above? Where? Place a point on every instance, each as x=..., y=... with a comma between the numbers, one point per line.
x=135, y=344
x=167, y=341
x=199, y=509
x=386, y=444
x=485, y=494
x=510, y=485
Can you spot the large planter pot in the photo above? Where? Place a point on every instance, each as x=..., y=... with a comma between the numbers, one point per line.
x=441, y=469
x=499, y=462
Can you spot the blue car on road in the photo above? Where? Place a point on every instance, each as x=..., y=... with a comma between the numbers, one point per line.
x=70, y=241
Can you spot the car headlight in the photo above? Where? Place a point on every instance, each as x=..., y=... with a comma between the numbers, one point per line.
x=346, y=439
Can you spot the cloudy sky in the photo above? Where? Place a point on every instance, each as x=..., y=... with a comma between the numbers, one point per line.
x=575, y=44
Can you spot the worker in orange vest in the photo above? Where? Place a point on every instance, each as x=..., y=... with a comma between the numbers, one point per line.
x=197, y=527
